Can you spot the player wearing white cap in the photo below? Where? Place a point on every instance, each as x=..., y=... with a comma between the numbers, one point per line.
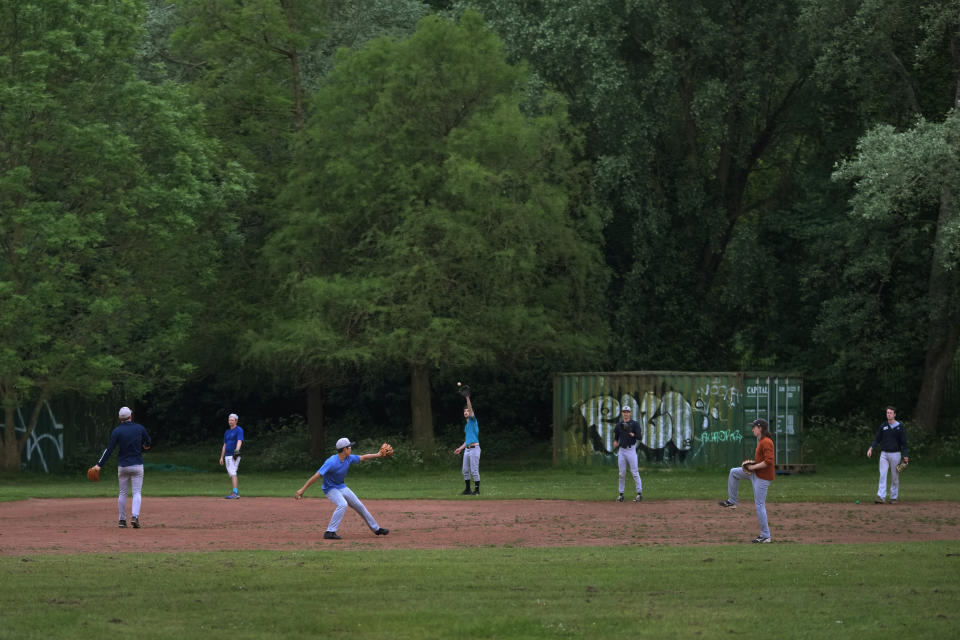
x=334, y=472
x=626, y=435
x=131, y=440
x=230, y=453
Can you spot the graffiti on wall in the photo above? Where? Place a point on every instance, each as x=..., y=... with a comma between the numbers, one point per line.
x=45, y=443
x=672, y=425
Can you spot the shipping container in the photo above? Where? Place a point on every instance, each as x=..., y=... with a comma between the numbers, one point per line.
x=687, y=418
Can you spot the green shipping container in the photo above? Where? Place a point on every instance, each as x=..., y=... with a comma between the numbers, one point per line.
x=689, y=419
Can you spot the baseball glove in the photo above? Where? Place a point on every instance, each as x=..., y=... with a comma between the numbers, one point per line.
x=903, y=465
x=93, y=474
x=743, y=465
x=385, y=450
x=464, y=390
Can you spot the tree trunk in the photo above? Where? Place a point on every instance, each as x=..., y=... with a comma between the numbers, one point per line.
x=935, y=367
x=421, y=413
x=944, y=329
x=315, y=426
x=10, y=455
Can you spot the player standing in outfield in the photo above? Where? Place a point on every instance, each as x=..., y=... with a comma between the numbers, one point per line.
x=892, y=440
x=131, y=440
x=334, y=472
x=625, y=435
x=760, y=471
x=230, y=453
x=470, y=448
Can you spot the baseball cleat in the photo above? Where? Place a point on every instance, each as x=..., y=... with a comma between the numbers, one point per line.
x=232, y=496
x=122, y=524
x=894, y=501
x=879, y=500
x=760, y=540
x=728, y=504
x=382, y=532
x=639, y=498
x=330, y=535
x=135, y=521
x=620, y=498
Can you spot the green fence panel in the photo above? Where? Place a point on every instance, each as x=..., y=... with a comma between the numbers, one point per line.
x=687, y=418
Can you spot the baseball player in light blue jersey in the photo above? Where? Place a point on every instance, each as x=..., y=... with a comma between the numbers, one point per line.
x=230, y=453
x=471, y=451
x=131, y=440
x=334, y=472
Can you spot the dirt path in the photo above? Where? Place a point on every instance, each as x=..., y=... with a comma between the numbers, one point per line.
x=213, y=524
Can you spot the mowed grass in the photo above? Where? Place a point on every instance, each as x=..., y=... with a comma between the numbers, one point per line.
x=380, y=480
x=749, y=591
x=893, y=590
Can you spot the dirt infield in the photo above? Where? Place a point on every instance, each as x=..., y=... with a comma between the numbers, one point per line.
x=213, y=524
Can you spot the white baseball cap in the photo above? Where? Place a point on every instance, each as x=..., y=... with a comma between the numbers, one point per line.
x=125, y=413
x=343, y=443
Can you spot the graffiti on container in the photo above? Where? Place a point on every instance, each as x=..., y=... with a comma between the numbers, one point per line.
x=671, y=427
x=40, y=446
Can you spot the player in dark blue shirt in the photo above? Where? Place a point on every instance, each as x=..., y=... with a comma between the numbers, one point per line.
x=130, y=440
x=891, y=438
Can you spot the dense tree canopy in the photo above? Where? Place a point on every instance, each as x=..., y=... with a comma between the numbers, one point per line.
x=384, y=194
x=438, y=201
x=112, y=212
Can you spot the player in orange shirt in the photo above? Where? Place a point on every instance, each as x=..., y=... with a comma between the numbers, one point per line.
x=760, y=471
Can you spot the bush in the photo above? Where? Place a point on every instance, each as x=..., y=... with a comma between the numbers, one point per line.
x=829, y=440
x=282, y=447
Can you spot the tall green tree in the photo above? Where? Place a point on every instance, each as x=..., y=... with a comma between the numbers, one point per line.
x=901, y=307
x=254, y=63
x=442, y=193
x=111, y=210
x=699, y=120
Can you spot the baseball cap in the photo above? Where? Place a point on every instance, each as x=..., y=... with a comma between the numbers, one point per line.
x=343, y=443
x=125, y=413
x=626, y=410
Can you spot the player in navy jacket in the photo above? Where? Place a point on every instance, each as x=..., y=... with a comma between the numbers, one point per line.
x=130, y=440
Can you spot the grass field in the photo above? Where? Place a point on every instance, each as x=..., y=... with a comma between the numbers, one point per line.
x=890, y=590
x=767, y=591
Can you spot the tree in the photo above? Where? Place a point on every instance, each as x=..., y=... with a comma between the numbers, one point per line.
x=445, y=193
x=699, y=118
x=111, y=210
x=254, y=63
x=905, y=286
x=905, y=186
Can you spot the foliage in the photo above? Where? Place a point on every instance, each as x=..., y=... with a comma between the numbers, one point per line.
x=831, y=441
x=112, y=208
x=413, y=236
x=697, y=120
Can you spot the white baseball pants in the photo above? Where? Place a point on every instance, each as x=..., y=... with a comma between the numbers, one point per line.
x=627, y=456
x=760, y=487
x=130, y=480
x=342, y=498
x=471, y=463
x=888, y=464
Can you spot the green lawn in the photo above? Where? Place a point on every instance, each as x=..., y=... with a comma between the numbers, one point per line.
x=893, y=590
x=768, y=591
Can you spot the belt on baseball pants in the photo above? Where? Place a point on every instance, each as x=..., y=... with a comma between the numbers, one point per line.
x=630, y=447
x=471, y=446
